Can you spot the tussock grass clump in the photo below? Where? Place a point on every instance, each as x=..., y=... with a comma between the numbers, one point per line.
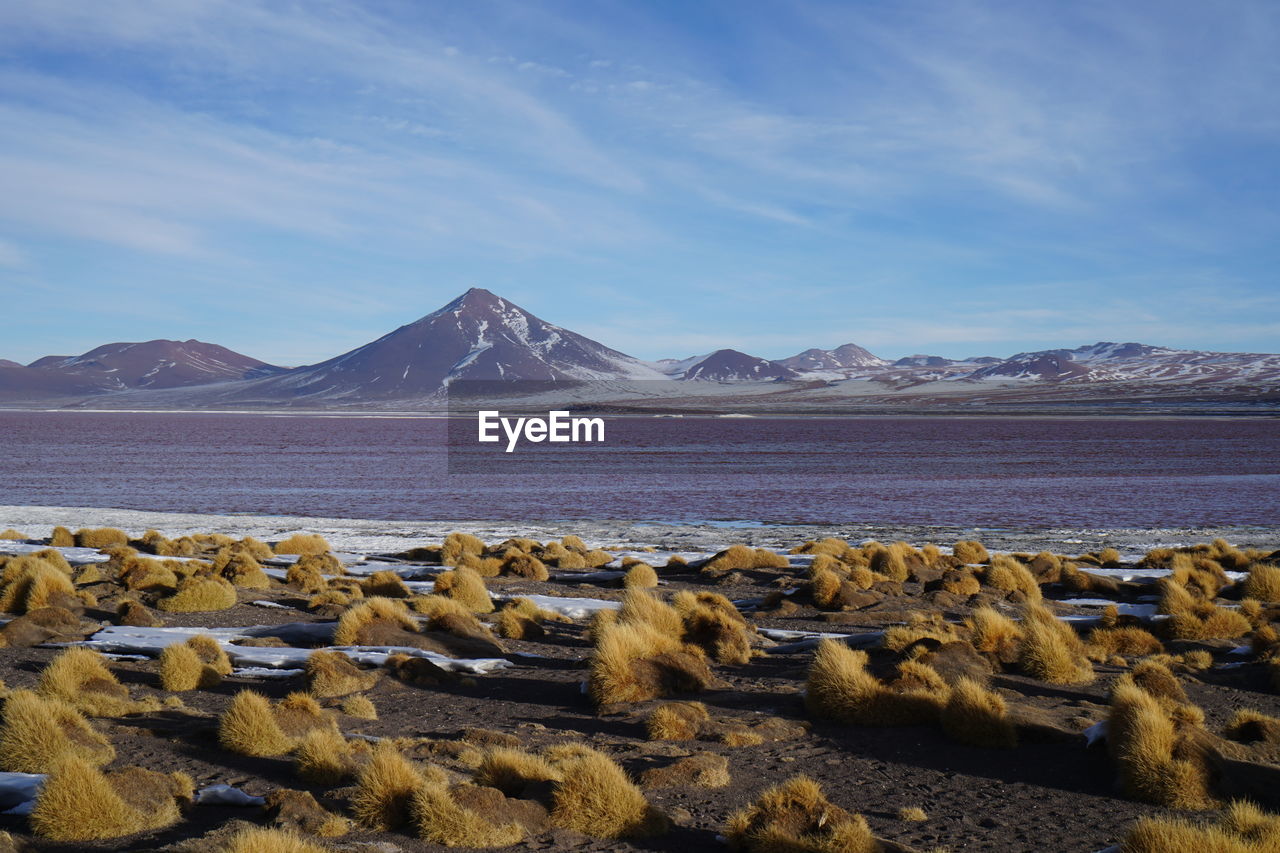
x=1242, y=828
x=30, y=582
x=643, y=607
x=1051, y=650
x=385, y=584
x=457, y=544
x=441, y=818
x=236, y=564
x=182, y=669
x=634, y=662
x=385, y=787
x=969, y=552
x=1263, y=583
x=303, y=543
x=595, y=797
x=840, y=688
x=334, y=674
x=977, y=716
x=79, y=677
x=1129, y=641
x=1008, y=574
x=365, y=615
x=359, y=706
x=1249, y=726
x=640, y=576
x=912, y=814
x=306, y=579
x=513, y=770
x=62, y=538
x=711, y=622
x=10, y=533
x=101, y=537
x=796, y=817
x=702, y=770
x=830, y=546
x=524, y=565
x=79, y=803
x=324, y=757
x=466, y=586
x=198, y=595
x=299, y=713
x=676, y=721
x=891, y=560
x=211, y=652
x=920, y=626
x=249, y=727
x=1155, y=763
x=994, y=634
x=38, y=732
x=263, y=840
x=740, y=557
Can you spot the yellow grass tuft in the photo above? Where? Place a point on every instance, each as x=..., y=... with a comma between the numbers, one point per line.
x=634, y=662
x=797, y=818
x=1263, y=583
x=249, y=727
x=969, y=552
x=334, y=674
x=198, y=595
x=1051, y=650
x=912, y=814
x=1128, y=641
x=840, y=688
x=458, y=544
x=640, y=576
x=10, y=533
x=1008, y=574
x=595, y=797
x=512, y=770
x=740, y=557
x=385, y=787
x=182, y=669
x=324, y=757
x=713, y=624
x=1144, y=742
x=644, y=607
x=79, y=677
x=993, y=633
x=260, y=840
x=466, y=586
x=303, y=543
x=386, y=584
x=977, y=716
x=62, y=538
x=38, y=732
x=359, y=706
x=441, y=819
x=78, y=803
x=365, y=613
x=101, y=537
x=676, y=721
x=702, y=770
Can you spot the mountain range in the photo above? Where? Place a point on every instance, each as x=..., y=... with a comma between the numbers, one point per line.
x=481, y=336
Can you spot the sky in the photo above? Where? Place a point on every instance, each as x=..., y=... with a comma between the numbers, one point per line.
x=295, y=179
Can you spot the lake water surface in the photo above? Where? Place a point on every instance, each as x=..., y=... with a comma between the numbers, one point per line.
x=994, y=472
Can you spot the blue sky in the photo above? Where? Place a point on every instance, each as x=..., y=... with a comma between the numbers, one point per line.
x=961, y=178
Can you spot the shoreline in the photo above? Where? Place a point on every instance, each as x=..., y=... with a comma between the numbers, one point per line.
x=364, y=534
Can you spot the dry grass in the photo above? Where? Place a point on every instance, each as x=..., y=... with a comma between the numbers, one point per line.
x=31, y=581
x=359, y=706
x=38, y=732
x=795, y=817
x=324, y=757
x=634, y=662
x=711, y=622
x=1263, y=583
x=10, y=533
x=466, y=586
x=640, y=576
x=512, y=770
x=969, y=552
x=1051, y=650
x=303, y=543
x=442, y=819
x=701, y=770
x=249, y=727
x=643, y=607
x=595, y=797
x=182, y=669
x=912, y=814
x=1128, y=641
x=79, y=677
x=840, y=688
x=79, y=803
x=458, y=544
x=1249, y=726
x=260, y=840
x=385, y=787
x=361, y=616
x=1242, y=828
x=676, y=721
x=1008, y=574
x=993, y=633
x=385, y=584
x=334, y=674
x=198, y=595
x=740, y=557
x=101, y=537
x=977, y=716
x=1144, y=742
